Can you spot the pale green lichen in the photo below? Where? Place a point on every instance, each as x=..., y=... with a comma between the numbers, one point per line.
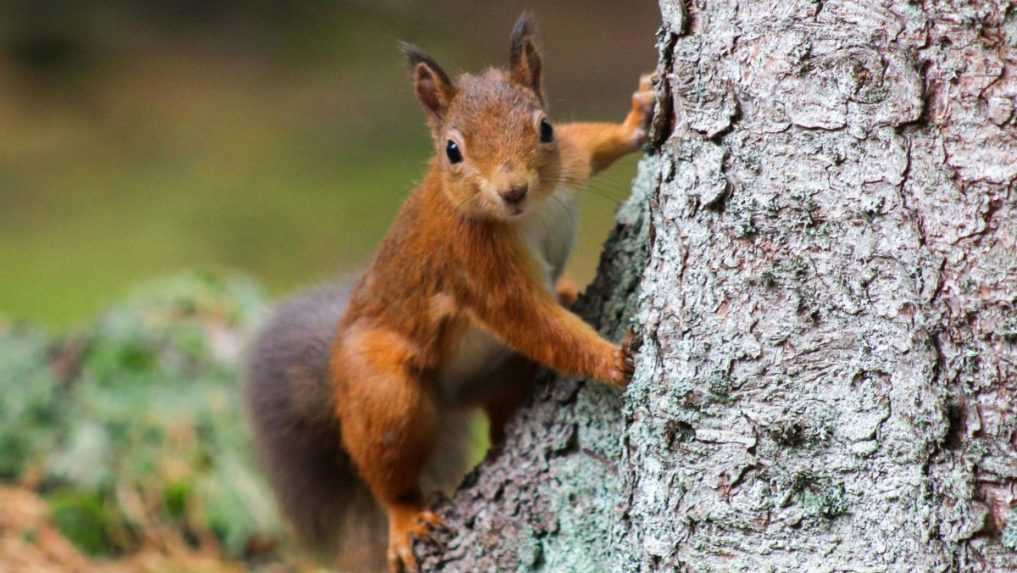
x=531, y=552
x=1009, y=537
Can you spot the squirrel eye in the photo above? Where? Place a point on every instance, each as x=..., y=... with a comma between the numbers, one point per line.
x=546, y=132
x=453, y=152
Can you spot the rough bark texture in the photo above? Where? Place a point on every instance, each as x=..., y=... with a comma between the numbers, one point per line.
x=821, y=257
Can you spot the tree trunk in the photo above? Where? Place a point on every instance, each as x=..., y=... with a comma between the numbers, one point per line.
x=820, y=255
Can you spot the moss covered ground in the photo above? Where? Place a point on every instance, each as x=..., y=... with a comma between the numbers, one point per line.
x=123, y=445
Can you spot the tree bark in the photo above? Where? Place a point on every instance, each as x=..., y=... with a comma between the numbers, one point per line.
x=820, y=255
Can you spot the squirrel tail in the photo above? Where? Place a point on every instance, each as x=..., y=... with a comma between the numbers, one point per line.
x=291, y=407
x=292, y=413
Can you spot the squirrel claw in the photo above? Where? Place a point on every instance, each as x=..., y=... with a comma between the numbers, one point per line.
x=629, y=348
x=646, y=82
x=400, y=544
x=427, y=522
x=638, y=120
x=625, y=364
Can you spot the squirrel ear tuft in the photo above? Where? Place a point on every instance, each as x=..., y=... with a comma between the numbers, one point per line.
x=433, y=87
x=524, y=58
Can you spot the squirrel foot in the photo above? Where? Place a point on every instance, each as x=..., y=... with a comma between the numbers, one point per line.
x=626, y=362
x=567, y=291
x=405, y=525
x=638, y=120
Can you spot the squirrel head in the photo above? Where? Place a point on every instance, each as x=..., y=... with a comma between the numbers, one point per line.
x=496, y=146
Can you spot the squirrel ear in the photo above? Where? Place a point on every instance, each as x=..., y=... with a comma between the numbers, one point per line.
x=433, y=86
x=525, y=58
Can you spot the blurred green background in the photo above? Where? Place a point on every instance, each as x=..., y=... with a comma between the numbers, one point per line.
x=275, y=138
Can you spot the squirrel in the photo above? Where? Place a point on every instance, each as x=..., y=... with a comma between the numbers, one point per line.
x=358, y=393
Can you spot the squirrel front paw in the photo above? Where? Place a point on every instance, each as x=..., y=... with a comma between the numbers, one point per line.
x=625, y=362
x=637, y=123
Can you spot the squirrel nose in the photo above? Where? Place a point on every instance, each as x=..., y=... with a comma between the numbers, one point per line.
x=515, y=195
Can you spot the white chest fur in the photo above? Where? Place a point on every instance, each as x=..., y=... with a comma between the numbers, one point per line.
x=549, y=234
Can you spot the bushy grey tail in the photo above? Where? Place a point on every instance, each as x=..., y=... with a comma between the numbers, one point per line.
x=292, y=410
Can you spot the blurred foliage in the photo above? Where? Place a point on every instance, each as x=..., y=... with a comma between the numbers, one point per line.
x=136, y=425
x=85, y=520
x=29, y=407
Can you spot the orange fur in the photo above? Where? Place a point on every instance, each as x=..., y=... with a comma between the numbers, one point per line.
x=454, y=260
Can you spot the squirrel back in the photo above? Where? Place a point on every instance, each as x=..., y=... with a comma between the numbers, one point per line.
x=291, y=406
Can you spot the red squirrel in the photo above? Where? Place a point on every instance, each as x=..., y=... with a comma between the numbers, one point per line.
x=355, y=392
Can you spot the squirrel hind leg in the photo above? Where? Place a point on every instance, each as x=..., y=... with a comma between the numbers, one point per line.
x=391, y=422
